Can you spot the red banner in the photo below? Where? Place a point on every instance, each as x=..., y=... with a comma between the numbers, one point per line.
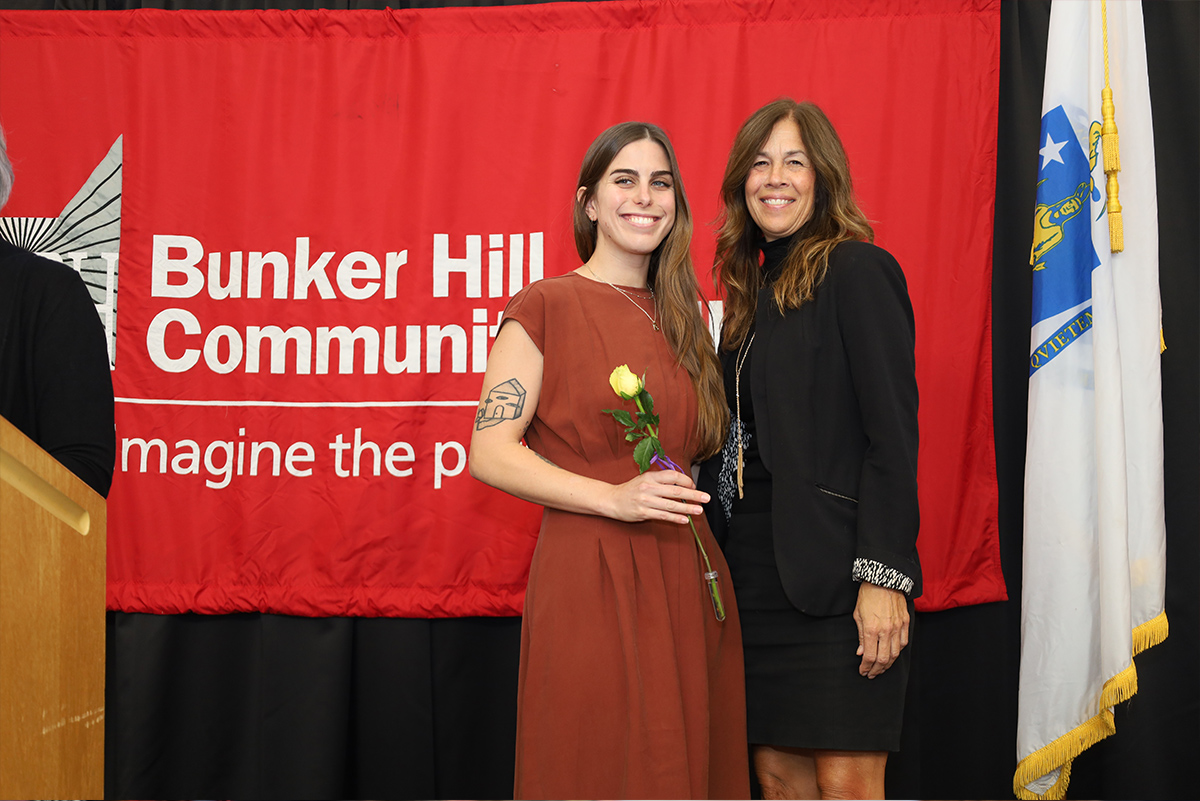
x=319, y=217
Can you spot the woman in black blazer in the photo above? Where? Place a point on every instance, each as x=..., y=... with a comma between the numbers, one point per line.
x=817, y=484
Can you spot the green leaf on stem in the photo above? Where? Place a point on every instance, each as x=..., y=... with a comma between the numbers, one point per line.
x=644, y=397
x=644, y=420
x=621, y=416
x=644, y=451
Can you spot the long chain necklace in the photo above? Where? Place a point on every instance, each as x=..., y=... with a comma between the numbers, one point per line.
x=630, y=297
x=743, y=352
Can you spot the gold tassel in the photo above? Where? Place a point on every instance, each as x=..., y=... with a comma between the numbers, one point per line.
x=1112, y=165
x=1116, y=232
x=1116, y=226
x=1108, y=132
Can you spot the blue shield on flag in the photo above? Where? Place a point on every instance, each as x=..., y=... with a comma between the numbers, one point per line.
x=1063, y=256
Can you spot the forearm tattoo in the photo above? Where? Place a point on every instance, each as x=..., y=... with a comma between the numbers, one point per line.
x=504, y=401
x=544, y=459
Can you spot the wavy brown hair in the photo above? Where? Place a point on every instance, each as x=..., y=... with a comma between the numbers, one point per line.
x=835, y=218
x=671, y=276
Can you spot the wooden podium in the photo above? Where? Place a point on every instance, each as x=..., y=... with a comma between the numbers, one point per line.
x=52, y=596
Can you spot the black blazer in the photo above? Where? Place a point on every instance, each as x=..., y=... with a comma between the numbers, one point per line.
x=835, y=409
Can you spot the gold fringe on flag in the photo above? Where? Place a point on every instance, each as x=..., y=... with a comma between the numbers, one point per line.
x=1150, y=633
x=1063, y=750
x=1111, y=141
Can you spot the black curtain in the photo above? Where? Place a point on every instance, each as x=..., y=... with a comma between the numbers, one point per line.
x=267, y=706
x=271, y=706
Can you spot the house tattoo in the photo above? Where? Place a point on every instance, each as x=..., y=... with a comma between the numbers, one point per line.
x=504, y=402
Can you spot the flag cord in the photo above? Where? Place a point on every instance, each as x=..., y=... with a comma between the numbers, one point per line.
x=1112, y=154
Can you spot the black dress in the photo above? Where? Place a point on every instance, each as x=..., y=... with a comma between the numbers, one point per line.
x=803, y=688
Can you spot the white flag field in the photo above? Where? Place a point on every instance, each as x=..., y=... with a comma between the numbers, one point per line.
x=1094, y=539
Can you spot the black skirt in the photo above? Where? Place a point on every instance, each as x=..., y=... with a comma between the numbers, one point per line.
x=803, y=688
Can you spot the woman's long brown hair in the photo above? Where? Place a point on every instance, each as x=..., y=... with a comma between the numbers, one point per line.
x=835, y=218
x=671, y=276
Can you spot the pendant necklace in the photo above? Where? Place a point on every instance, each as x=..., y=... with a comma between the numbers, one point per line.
x=743, y=352
x=630, y=297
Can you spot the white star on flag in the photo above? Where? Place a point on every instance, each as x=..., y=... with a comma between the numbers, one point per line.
x=1051, y=151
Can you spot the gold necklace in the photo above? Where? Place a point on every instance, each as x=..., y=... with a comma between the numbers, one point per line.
x=629, y=297
x=743, y=352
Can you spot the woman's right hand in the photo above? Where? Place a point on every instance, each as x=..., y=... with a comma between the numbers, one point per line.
x=499, y=458
x=659, y=495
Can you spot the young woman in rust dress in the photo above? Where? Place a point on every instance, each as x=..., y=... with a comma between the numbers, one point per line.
x=629, y=685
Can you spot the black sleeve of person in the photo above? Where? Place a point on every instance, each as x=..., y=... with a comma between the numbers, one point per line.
x=72, y=394
x=879, y=336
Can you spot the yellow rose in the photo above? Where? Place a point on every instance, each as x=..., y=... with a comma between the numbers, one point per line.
x=625, y=383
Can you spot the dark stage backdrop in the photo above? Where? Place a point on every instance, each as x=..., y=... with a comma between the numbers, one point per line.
x=267, y=706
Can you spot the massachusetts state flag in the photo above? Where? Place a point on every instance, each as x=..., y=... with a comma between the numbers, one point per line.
x=1094, y=549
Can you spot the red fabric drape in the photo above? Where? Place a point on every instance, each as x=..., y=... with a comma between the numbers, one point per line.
x=428, y=153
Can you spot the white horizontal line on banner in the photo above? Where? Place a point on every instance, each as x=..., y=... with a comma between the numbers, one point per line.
x=304, y=404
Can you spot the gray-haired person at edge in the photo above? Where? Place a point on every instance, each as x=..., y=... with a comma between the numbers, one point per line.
x=55, y=385
x=816, y=488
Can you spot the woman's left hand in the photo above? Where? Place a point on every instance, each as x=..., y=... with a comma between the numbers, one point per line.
x=882, y=618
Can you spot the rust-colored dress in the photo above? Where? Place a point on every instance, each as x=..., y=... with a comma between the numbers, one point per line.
x=629, y=687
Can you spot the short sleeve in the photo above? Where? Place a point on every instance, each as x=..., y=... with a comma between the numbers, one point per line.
x=528, y=307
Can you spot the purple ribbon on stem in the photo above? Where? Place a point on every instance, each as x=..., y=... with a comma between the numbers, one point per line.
x=663, y=462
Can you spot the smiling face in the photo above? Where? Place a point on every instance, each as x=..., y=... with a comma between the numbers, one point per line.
x=782, y=183
x=633, y=205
